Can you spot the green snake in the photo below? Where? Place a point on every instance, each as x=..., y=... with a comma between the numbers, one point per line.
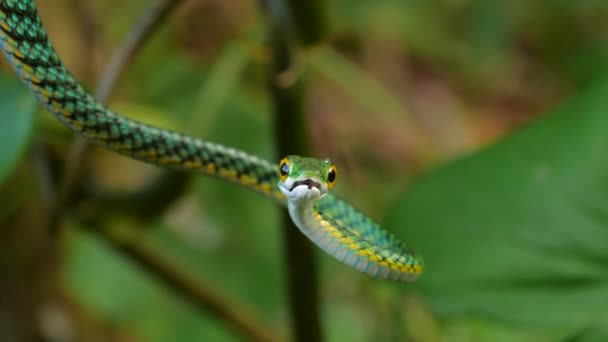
x=300, y=183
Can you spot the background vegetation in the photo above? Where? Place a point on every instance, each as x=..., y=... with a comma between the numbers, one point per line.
x=473, y=129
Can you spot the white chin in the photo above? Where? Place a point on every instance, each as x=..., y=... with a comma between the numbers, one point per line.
x=301, y=192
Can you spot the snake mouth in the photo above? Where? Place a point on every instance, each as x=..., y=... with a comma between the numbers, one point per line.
x=310, y=183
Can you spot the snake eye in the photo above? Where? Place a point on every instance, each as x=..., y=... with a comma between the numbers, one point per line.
x=284, y=169
x=331, y=176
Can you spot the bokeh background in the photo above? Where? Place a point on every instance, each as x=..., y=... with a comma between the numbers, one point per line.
x=473, y=129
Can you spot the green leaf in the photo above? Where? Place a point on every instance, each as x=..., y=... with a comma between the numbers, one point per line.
x=519, y=231
x=597, y=333
x=128, y=297
x=464, y=329
x=16, y=122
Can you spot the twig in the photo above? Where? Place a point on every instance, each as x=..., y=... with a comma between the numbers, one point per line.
x=190, y=288
x=64, y=318
x=41, y=162
x=154, y=198
x=142, y=31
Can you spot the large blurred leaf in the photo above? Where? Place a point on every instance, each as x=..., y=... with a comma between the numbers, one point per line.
x=520, y=231
x=17, y=107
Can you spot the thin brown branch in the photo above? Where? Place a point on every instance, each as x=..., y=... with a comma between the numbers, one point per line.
x=147, y=24
x=143, y=29
x=41, y=162
x=153, y=198
x=189, y=287
x=79, y=323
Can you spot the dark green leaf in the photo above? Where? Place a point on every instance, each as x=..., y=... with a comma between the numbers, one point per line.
x=519, y=231
x=17, y=108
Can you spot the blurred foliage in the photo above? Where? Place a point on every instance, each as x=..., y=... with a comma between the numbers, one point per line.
x=16, y=123
x=522, y=232
x=513, y=235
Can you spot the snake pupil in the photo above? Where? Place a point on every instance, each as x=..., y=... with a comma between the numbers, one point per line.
x=284, y=169
x=331, y=176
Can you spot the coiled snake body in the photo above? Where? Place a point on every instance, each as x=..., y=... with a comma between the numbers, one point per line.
x=300, y=183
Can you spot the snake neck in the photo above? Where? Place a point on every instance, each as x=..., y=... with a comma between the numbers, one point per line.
x=302, y=214
x=306, y=216
x=326, y=229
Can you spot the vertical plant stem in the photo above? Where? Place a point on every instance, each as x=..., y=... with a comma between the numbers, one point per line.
x=309, y=20
x=292, y=138
x=306, y=22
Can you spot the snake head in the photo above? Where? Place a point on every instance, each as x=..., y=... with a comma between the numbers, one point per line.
x=306, y=178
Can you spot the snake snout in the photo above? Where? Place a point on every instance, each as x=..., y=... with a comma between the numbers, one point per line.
x=308, y=182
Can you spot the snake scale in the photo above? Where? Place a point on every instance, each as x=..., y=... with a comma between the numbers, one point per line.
x=300, y=183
